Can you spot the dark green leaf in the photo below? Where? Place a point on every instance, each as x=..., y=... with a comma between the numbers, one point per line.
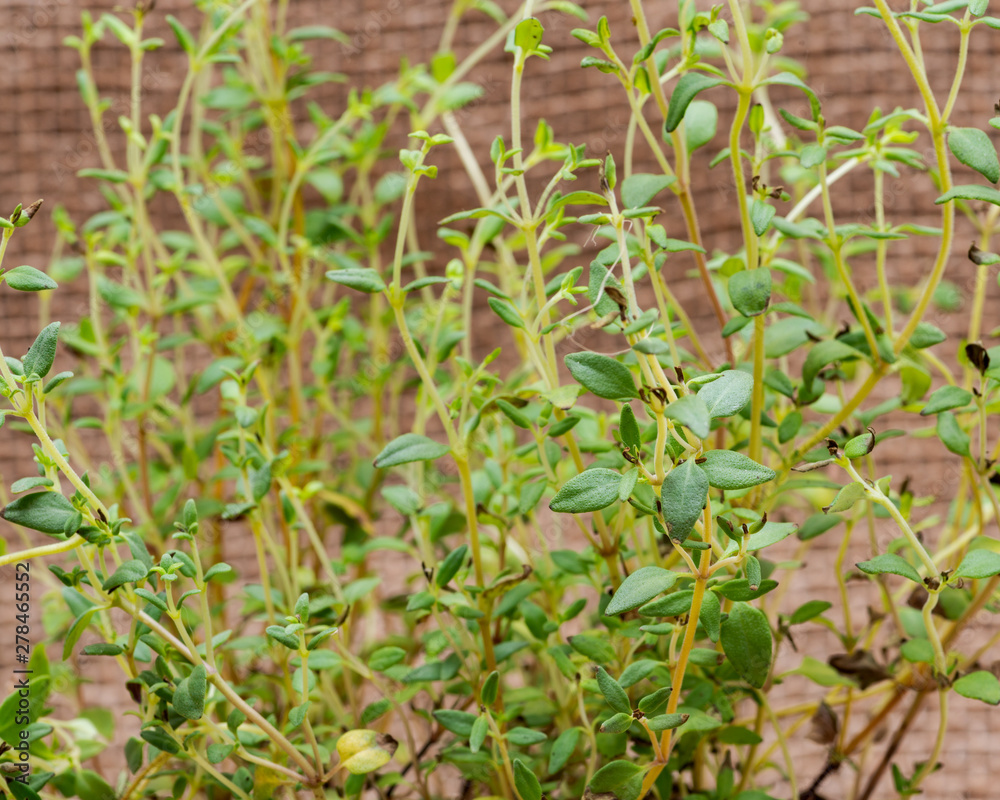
x=597, y=650
x=824, y=353
x=761, y=214
x=189, y=696
x=746, y=641
x=666, y=722
x=562, y=749
x=613, y=693
x=628, y=428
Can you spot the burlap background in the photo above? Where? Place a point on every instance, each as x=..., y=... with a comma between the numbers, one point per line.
x=45, y=137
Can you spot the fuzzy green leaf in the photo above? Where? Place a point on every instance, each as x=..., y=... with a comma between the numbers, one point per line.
x=684, y=494
x=985, y=194
x=38, y=360
x=28, y=279
x=746, y=641
x=979, y=564
x=727, y=469
x=628, y=428
x=973, y=148
x=602, y=376
x=591, y=490
x=750, y=291
x=691, y=412
x=727, y=394
x=639, y=588
x=48, y=512
x=613, y=692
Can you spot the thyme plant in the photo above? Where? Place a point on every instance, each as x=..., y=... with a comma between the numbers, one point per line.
x=593, y=597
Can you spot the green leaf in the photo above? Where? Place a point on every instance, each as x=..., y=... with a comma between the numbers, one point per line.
x=979, y=564
x=688, y=87
x=789, y=79
x=386, y=657
x=945, y=399
x=407, y=448
x=981, y=685
x=217, y=752
x=597, y=650
x=189, y=696
x=690, y=411
x=127, y=572
x=506, y=311
x=28, y=279
x=667, y=722
x=846, y=498
x=860, y=446
x=527, y=36
x=700, y=124
x=639, y=189
x=458, y=722
x=727, y=469
x=103, y=649
x=591, y=490
x=890, y=562
x=809, y=610
x=363, y=280
x=613, y=692
x=514, y=414
x=161, y=740
x=746, y=641
x=48, y=512
x=628, y=428
x=684, y=494
x=640, y=587
x=525, y=737
x=761, y=214
x=480, y=728
x=750, y=291
x=619, y=723
x=710, y=615
x=611, y=776
x=451, y=564
x=973, y=148
x=602, y=376
x=952, y=435
x=824, y=353
x=985, y=194
x=38, y=360
x=562, y=749
x=525, y=782
x=728, y=394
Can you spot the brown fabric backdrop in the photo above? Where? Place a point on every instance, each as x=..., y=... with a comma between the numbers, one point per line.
x=45, y=137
